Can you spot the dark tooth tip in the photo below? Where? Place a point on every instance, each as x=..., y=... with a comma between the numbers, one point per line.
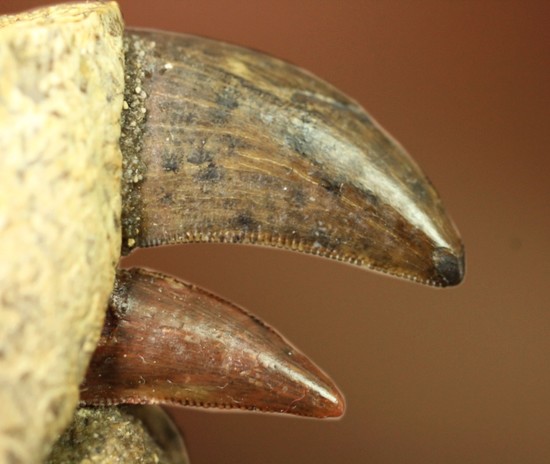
x=449, y=266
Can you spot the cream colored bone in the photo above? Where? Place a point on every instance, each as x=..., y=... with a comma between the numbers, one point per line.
x=61, y=88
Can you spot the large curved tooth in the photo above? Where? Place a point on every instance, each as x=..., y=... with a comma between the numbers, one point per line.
x=240, y=147
x=165, y=341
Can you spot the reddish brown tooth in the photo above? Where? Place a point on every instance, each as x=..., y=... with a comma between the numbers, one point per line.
x=165, y=341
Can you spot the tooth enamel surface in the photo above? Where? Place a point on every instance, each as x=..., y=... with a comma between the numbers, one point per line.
x=183, y=345
x=349, y=163
x=297, y=376
x=239, y=147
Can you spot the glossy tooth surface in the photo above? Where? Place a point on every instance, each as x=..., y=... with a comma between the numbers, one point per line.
x=165, y=341
x=240, y=147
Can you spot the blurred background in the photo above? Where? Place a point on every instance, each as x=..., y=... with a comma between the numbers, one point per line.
x=430, y=376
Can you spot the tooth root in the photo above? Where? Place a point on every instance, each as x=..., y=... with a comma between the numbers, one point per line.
x=165, y=341
x=241, y=147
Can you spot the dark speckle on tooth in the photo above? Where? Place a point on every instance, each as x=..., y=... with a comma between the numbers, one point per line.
x=245, y=221
x=199, y=156
x=228, y=98
x=170, y=165
x=211, y=173
x=331, y=185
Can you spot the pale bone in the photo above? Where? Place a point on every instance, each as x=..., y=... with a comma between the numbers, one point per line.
x=61, y=88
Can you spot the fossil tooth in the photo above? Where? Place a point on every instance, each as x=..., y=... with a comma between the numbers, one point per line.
x=165, y=341
x=235, y=146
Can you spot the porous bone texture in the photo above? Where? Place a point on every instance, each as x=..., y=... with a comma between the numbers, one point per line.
x=61, y=85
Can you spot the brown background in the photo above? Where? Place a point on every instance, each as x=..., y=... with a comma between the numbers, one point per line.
x=446, y=376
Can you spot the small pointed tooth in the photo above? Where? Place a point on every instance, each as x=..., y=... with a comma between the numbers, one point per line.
x=240, y=147
x=165, y=341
